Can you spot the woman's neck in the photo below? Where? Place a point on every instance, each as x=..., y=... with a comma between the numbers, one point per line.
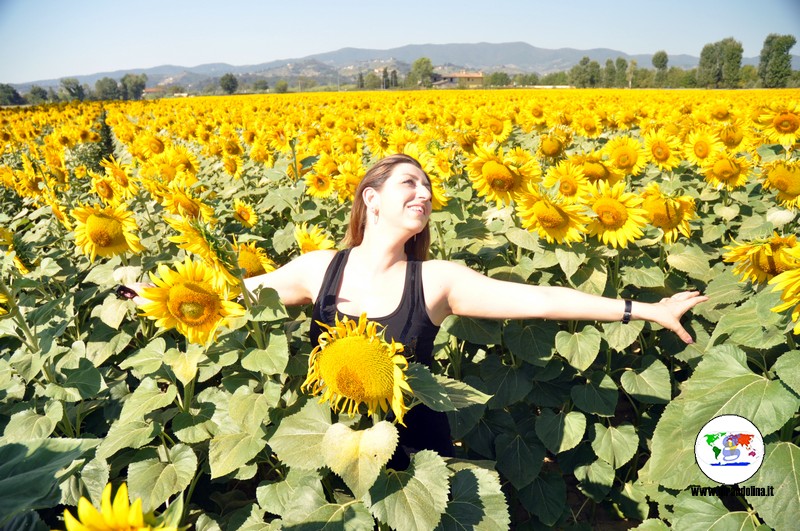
x=380, y=253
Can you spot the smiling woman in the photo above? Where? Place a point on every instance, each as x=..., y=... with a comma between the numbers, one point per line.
x=383, y=277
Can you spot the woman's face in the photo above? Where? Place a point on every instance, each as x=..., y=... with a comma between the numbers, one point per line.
x=405, y=198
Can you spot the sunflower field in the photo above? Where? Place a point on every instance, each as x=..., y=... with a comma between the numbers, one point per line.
x=205, y=406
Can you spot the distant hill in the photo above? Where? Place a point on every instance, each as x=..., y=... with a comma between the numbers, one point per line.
x=344, y=65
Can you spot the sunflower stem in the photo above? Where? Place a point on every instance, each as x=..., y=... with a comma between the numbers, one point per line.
x=30, y=339
x=255, y=330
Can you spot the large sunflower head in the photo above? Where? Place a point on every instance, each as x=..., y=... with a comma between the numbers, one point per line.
x=701, y=145
x=191, y=298
x=571, y=185
x=619, y=219
x=353, y=365
x=727, y=171
x=760, y=260
x=253, y=260
x=595, y=167
x=492, y=177
x=105, y=231
x=781, y=123
x=662, y=149
x=200, y=239
x=554, y=144
x=626, y=154
x=119, y=515
x=311, y=238
x=554, y=220
x=670, y=213
x=243, y=213
x=180, y=200
x=784, y=177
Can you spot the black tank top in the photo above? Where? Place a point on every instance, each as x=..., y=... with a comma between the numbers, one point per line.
x=410, y=325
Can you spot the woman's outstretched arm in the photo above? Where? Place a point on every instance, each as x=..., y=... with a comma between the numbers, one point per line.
x=462, y=291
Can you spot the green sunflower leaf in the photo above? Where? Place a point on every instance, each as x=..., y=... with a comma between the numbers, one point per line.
x=294, y=498
x=546, y=497
x=413, y=499
x=517, y=459
x=531, y=341
x=708, y=512
x=781, y=471
x=298, y=439
x=352, y=516
x=786, y=369
x=581, y=348
x=595, y=479
x=722, y=383
x=156, y=479
x=598, y=395
x=559, y=431
x=615, y=445
x=650, y=384
x=357, y=456
x=228, y=452
x=476, y=501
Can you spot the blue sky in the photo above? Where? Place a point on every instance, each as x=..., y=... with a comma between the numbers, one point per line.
x=50, y=39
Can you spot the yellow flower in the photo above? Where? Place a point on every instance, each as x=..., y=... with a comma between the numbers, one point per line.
x=727, y=171
x=351, y=171
x=782, y=123
x=244, y=213
x=354, y=365
x=662, y=149
x=105, y=188
x=671, y=214
x=120, y=515
x=626, y=154
x=784, y=177
x=701, y=145
x=788, y=283
x=496, y=177
x=587, y=124
x=253, y=260
x=761, y=260
x=190, y=298
x=553, y=220
x=105, y=231
x=121, y=174
x=619, y=219
x=319, y=185
x=198, y=238
x=552, y=145
x=572, y=185
x=595, y=167
x=311, y=239
x=179, y=200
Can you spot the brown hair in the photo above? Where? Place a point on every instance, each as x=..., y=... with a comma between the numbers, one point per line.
x=417, y=247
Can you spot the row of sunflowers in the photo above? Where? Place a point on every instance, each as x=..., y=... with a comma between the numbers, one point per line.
x=203, y=387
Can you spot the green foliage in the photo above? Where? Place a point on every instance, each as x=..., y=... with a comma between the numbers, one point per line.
x=228, y=83
x=775, y=62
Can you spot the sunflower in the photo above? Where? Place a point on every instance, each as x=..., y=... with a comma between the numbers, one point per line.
x=572, y=185
x=120, y=515
x=626, y=154
x=121, y=174
x=588, y=124
x=105, y=231
x=785, y=178
x=701, y=145
x=669, y=213
x=180, y=200
x=554, y=144
x=191, y=298
x=662, y=149
x=351, y=171
x=3, y=302
x=354, y=364
x=727, y=171
x=496, y=129
x=105, y=188
x=260, y=152
x=311, y=239
x=377, y=143
x=760, y=260
x=788, y=283
x=732, y=134
x=243, y=213
x=781, y=123
x=553, y=220
x=595, y=167
x=495, y=176
x=233, y=166
x=198, y=238
x=619, y=217
x=253, y=260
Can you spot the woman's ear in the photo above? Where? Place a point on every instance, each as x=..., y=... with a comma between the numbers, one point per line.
x=371, y=198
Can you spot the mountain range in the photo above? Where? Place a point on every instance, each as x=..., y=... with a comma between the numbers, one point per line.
x=345, y=64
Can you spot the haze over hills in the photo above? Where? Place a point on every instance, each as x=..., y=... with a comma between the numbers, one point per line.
x=344, y=65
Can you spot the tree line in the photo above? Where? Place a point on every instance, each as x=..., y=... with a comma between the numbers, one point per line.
x=720, y=66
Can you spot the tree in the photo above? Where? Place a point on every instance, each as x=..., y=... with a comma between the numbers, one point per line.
x=421, y=73
x=36, y=95
x=497, y=79
x=106, y=89
x=660, y=60
x=610, y=74
x=775, y=63
x=393, y=81
x=282, y=87
x=10, y=96
x=622, y=72
x=73, y=89
x=372, y=81
x=631, y=72
x=260, y=85
x=360, y=81
x=228, y=83
x=731, y=53
x=720, y=64
x=385, y=78
x=132, y=86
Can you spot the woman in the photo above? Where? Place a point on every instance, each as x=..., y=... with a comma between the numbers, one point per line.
x=383, y=272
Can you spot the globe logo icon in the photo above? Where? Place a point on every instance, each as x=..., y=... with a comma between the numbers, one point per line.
x=729, y=449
